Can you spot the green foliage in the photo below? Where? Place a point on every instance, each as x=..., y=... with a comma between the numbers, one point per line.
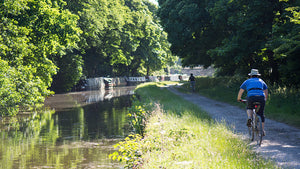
x=69, y=73
x=40, y=39
x=287, y=100
x=121, y=38
x=19, y=88
x=8, y=93
x=296, y=14
x=45, y=30
x=138, y=115
x=129, y=151
x=236, y=35
x=32, y=34
x=188, y=26
x=286, y=47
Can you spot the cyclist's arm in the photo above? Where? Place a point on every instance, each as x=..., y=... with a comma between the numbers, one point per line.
x=239, y=97
x=266, y=94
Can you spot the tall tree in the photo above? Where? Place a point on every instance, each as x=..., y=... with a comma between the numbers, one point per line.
x=189, y=28
x=120, y=37
x=32, y=32
x=236, y=35
x=250, y=27
x=285, y=44
x=153, y=52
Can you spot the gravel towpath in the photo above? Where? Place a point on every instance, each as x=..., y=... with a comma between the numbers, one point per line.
x=281, y=143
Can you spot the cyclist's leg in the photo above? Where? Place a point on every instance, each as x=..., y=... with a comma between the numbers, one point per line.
x=250, y=108
x=249, y=113
x=262, y=116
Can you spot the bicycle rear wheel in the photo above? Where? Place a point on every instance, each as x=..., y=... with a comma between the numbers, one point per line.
x=259, y=131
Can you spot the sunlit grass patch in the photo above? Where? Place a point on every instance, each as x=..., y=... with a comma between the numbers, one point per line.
x=180, y=135
x=189, y=142
x=170, y=102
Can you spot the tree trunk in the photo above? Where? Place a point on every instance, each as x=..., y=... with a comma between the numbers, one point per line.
x=274, y=73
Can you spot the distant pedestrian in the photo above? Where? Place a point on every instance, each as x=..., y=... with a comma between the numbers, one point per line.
x=192, y=82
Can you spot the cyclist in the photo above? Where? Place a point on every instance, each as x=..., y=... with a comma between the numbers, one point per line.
x=192, y=81
x=257, y=91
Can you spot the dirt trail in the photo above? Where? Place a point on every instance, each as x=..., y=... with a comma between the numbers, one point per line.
x=281, y=143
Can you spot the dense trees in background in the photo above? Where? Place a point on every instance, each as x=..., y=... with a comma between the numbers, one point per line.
x=119, y=38
x=53, y=43
x=236, y=35
x=33, y=34
x=122, y=37
x=50, y=44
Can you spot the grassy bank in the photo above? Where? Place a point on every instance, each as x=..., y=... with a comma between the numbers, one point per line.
x=178, y=134
x=283, y=104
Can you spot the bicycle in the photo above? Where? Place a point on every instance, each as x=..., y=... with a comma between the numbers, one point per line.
x=192, y=86
x=255, y=130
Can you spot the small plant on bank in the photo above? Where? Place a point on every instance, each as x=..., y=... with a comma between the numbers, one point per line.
x=138, y=114
x=129, y=151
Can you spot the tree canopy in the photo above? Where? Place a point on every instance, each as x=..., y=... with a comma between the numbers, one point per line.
x=32, y=33
x=236, y=35
x=50, y=44
x=122, y=38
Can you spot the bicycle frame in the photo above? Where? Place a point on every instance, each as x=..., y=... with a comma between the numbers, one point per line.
x=192, y=85
x=255, y=131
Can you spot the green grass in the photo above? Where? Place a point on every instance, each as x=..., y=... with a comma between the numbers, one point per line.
x=180, y=135
x=283, y=104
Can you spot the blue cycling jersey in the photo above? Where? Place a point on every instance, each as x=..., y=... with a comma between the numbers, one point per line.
x=254, y=86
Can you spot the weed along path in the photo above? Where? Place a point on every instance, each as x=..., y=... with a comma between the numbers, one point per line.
x=281, y=143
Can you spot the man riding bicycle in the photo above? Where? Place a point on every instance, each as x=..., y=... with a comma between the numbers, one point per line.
x=257, y=91
x=192, y=81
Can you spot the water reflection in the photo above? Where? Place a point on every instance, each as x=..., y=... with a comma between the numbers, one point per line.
x=77, y=133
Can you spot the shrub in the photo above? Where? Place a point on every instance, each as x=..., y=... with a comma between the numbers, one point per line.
x=128, y=151
x=19, y=88
x=138, y=114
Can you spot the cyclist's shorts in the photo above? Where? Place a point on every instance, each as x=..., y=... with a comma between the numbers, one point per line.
x=261, y=100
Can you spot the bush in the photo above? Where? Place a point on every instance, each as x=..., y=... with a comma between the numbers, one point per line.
x=19, y=88
x=129, y=151
x=138, y=114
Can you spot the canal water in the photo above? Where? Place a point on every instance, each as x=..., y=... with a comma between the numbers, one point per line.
x=76, y=130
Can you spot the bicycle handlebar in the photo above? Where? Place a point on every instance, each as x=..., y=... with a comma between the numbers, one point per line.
x=243, y=100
